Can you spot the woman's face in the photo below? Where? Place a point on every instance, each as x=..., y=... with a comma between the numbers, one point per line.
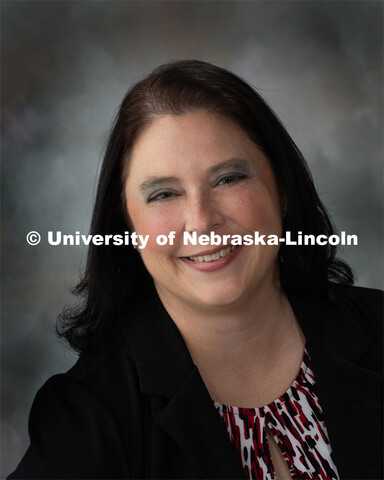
x=199, y=172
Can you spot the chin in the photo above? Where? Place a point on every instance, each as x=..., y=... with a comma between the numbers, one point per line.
x=219, y=297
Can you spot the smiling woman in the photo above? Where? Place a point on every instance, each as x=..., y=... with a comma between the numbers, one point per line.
x=198, y=188
x=219, y=361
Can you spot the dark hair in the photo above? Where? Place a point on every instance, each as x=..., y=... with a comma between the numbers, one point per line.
x=115, y=277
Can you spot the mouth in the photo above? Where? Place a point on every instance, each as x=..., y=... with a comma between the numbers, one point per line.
x=214, y=256
x=213, y=261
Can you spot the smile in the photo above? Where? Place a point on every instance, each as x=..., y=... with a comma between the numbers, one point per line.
x=212, y=262
x=214, y=256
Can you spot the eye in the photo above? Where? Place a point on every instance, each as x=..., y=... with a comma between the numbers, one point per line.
x=161, y=196
x=231, y=179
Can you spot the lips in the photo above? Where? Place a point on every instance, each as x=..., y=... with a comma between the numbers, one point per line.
x=213, y=256
x=214, y=260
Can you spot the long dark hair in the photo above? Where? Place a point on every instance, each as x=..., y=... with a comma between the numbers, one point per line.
x=115, y=278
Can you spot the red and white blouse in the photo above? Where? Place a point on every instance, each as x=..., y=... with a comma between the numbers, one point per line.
x=297, y=425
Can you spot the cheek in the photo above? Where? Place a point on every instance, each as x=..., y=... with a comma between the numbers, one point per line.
x=257, y=209
x=154, y=223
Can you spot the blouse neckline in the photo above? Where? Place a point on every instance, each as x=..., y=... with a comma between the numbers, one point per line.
x=290, y=392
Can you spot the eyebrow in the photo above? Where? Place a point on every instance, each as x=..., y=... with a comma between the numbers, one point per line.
x=230, y=163
x=157, y=181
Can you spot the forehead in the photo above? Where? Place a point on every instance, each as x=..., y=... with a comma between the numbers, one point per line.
x=195, y=140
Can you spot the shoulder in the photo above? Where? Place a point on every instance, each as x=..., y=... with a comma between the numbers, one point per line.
x=362, y=294
x=355, y=322
x=103, y=363
x=98, y=372
x=364, y=305
x=103, y=380
x=346, y=305
x=82, y=422
x=348, y=323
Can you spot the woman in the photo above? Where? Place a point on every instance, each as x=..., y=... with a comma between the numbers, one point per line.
x=256, y=361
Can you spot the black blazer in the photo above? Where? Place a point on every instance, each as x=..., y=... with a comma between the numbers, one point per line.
x=137, y=407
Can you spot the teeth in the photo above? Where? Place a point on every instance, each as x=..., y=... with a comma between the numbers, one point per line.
x=225, y=252
x=214, y=256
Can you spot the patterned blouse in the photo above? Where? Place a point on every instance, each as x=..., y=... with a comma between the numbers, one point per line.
x=296, y=422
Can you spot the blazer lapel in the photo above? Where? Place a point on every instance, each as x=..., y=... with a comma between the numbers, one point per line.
x=191, y=420
x=165, y=369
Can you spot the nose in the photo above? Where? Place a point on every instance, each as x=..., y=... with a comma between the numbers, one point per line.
x=202, y=214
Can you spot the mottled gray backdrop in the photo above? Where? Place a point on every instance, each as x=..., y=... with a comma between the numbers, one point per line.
x=65, y=68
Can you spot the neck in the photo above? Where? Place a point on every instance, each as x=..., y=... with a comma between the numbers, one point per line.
x=249, y=331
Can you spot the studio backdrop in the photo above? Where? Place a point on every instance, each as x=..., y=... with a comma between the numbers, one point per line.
x=66, y=66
